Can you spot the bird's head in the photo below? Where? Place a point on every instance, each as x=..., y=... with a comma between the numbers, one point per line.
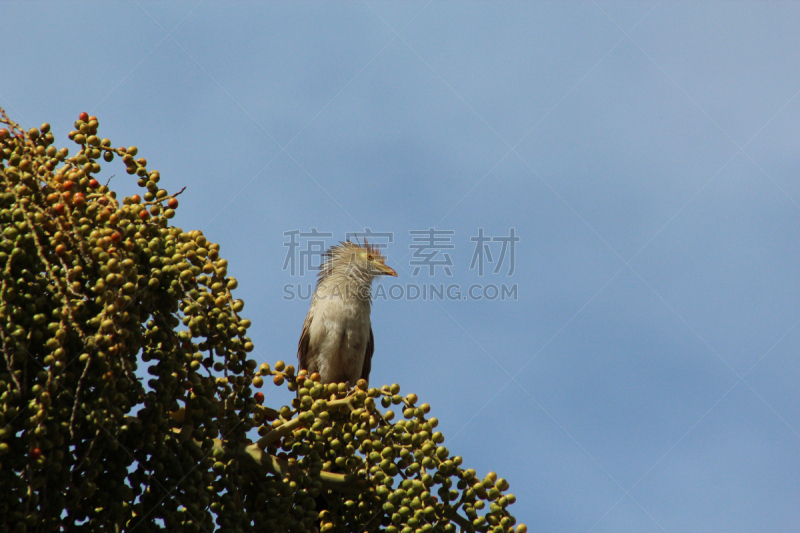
x=356, y=261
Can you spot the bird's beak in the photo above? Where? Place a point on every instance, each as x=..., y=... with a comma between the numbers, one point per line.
x=386, y=270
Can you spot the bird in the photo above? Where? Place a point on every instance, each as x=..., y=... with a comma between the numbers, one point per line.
x=337, y=340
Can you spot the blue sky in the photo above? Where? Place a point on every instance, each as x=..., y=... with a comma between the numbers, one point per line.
x=646, y=154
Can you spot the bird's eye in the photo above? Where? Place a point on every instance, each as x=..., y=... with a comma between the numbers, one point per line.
x=369, y=257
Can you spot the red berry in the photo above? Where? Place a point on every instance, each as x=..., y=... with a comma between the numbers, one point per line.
x=143, y=214
x=116, y=237
x=36, y=453
x=84, y=116
x=4, y=134
x=259, y=397
x=172, y=203
x=68, y=185
x=60, y=209
x=78, y=198
x=93, y=183
x=136, y=198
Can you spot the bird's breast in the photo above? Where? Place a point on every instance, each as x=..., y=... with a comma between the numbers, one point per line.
x=341, y=332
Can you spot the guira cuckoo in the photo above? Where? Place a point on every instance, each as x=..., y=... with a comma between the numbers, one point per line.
x=337, y=338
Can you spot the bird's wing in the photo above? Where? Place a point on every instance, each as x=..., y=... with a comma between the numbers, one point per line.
x=305, y=342
x=367, y=366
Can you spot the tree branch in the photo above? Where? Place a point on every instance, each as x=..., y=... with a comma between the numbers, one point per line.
x=251, y=455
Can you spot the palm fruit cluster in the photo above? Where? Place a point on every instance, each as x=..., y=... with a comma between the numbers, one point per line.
x=366, y=472
x=126, y=380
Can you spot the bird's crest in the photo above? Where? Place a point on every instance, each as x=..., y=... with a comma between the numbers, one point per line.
x=345, y=252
